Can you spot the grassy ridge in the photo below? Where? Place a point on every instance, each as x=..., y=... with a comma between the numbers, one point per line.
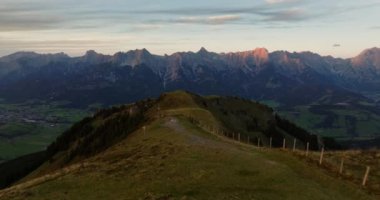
x=110, y=156
x=176, y=160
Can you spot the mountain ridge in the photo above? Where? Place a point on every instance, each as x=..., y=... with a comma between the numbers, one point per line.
x=333, y=91
x=186, y=66
x=285, y=60
x=202, y=49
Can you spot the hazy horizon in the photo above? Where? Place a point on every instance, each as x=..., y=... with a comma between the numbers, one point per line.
x=194, y=51
x=337, y=28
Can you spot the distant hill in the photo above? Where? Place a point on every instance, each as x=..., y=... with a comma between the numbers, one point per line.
x=329, y=96
x=163, y=149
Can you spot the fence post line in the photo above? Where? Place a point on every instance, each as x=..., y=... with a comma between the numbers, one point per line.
x=365, y=178
x=258, y=142
x=294, y=144
x=239, y=136
x=307, y=148
x=284, y=143
x=270, y=142
x=321, y=157
x=341, y=165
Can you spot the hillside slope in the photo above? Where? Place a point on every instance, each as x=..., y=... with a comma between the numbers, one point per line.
x=111, y=156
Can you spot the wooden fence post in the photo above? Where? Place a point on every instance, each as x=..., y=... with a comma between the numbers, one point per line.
x=307, y=148
x=239, y=136
x=294, y=144
x=341, y=165
x=284, y=143
x=321, y=156
x=144, y=129
x=365, y=178
x=270, y=142
x=258, y=142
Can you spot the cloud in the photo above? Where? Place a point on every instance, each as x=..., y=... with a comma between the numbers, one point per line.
x=47, y=14
x=293, y=14
x=336, y=45
x=374, y=27
x=55, y=15
x=279, y=1
x=19, y=23
x=199, y=11
x=15, y=18
x=212, y=20
x=51, y=44
x=263, y=13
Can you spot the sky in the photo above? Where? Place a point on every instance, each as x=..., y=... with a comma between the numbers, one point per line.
x=341, y=28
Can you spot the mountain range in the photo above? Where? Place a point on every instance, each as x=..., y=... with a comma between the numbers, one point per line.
x=286, y=80
x=254, y=74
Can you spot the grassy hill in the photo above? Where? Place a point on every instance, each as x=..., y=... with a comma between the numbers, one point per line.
x=164, y=149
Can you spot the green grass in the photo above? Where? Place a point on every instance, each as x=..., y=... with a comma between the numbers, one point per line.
x=35, y=138
x=177, y=160
x=354, y=167
x=367, y=124
x=18, y=138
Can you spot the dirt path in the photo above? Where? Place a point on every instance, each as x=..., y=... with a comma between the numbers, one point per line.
x=195, y=135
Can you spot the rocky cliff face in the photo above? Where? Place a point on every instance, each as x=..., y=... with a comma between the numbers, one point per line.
x=253, y=74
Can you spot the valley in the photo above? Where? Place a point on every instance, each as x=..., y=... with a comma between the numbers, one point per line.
x=342, y=122
x=31, y=126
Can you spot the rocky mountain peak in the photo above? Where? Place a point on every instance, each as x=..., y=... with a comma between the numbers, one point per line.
x=91, y=53
x=142, y=52
x=202, y=51
x=368, y=58
x=93, y=57
x=261, y=51
x=261, y=55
